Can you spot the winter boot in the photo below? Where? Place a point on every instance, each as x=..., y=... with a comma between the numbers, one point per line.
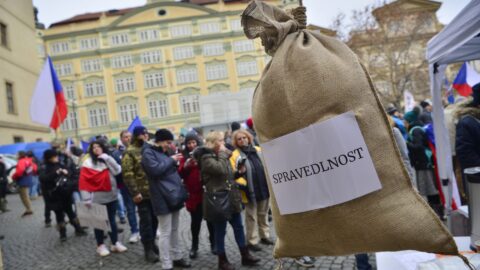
x=150, y=255
x=79, y=231
x=62, y=229
x=3, y=205
x=247, y=259
x=223, y=263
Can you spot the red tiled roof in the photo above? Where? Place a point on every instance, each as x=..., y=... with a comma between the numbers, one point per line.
x=92, y=16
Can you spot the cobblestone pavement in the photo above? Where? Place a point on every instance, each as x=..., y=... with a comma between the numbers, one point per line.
x=29, y=245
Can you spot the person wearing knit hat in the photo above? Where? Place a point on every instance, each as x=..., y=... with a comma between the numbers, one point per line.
x=426, y=116
x=161, y=170
x=467, y=141
x=251, y=130
x=139, y=130
x=235, y=126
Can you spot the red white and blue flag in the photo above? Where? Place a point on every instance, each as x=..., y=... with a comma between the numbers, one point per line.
x=466, y=78
x=48, y=106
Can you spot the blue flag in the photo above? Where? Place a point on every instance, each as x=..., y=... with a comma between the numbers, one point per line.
x=135, y=123
x=85, y=146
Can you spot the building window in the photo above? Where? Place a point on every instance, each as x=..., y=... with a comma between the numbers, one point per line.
x=187, y=75
x=59, y=47
x=119, y=39
x=210, y=27
x=122, y=61
x=92, y=65
x=18, y=139
x=185, y=52
x=95, y=88
x=213, y=49
x=154, y=80
x=11, y=108
x=88, y=44
x=158, y=108
x=149, y=35
x=236, y=25
x=70, y=91
x=3, y=35
x=97, y=117
x=70, y=122
x=63, y=69
x=181, y=30
x=128, y=112
x=151, y=57
x=247, y=68
x=125, y=84
x=190, y=104
x=243, y=46
x=216, y=71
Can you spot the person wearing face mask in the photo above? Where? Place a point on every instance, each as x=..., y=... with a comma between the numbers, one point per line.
x=161, y=168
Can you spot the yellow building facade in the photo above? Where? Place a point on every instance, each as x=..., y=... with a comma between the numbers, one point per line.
x=154, y=61
x=19, y=70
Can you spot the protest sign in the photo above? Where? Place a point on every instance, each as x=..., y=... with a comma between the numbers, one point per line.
x=94, y=215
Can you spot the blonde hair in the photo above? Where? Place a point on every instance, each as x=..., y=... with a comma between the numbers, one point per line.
x=211, y=141
x=239, y=132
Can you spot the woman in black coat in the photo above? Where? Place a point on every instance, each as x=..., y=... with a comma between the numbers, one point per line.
x=57, y=192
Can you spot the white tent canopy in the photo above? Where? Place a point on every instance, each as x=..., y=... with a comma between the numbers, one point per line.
x=459, y=41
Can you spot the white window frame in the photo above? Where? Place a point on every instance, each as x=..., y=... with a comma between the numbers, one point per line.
x=187, y=75
x=236, y=25
x=246, y=45
x=71, y=122
x=124, y=84
x=247, y=68
x=97, y=117
x=151, y=57
x=216, y=71
x=181, y=30
x=64, y=69
x=119, y=39
x=190, y=104
x=158, y=108
x=92, y=65
x=70, y=91
x=94, y=88
x=183, y=52
x=212, y=49
x=127, y=112
x=148, y=35
x=89, y=44
x=154, y=79
x=122, y=61
x=210, y=27
x=59, y=47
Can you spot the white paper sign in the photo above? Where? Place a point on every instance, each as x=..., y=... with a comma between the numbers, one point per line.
x=95, y=216
x=322, y=165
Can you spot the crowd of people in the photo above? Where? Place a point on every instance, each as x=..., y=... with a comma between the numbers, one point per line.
x=146, y=179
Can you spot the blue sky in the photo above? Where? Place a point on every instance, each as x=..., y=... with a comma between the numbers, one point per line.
x=319, y=12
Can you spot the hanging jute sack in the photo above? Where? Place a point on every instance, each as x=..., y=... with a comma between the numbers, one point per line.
x=310, y=79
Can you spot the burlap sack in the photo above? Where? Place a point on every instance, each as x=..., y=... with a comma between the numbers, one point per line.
x=311, y=78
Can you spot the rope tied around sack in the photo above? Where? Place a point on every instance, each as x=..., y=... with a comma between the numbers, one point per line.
x=300, y=15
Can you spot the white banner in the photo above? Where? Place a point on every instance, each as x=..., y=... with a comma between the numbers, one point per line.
x=95, y=216
x=409, y=101
x=322, y=165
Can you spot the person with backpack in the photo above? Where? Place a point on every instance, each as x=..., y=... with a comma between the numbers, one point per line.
x=23, y=175
x=57, y=192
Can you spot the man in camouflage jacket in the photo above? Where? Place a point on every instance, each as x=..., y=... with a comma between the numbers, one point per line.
x=137, y=183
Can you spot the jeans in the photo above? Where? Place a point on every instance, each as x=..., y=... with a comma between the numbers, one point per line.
x=148, y=222
x=169, y=239
x=362, y=262
x=111, y=210
x=196, y=225
x=131, y=211
x=34, y=187
x=221, y=230
x=121, y=206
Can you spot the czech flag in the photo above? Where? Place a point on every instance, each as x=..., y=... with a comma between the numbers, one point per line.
x=48, y=106
x=466, y=78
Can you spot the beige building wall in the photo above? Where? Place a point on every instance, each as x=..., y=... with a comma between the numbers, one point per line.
x=19, y=69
